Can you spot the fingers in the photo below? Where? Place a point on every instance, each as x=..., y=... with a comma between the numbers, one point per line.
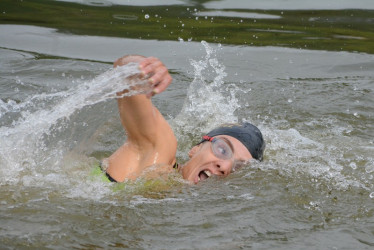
x=163, y=84
x=148, y=64
x=160, y=78
x=127, y=59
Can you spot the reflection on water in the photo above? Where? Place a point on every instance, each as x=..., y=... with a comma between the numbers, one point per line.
x=241, y=4
x=291, y=4
x=127, y=2
x=315, y=186
x=236, y=14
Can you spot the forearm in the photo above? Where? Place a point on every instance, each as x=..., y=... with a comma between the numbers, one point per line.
x=138, y=117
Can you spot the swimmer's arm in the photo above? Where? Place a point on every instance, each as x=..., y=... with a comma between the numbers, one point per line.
x=150, y=139
x=139, y=117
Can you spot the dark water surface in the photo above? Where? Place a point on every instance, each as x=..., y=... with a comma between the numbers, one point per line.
x=302, y=72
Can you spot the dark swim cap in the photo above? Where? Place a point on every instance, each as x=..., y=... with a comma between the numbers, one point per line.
x=247, y=134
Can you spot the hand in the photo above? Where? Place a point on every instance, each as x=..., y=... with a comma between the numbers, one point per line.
x=160, y=78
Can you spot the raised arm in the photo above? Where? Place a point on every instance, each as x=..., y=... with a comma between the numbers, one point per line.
x=150, y=140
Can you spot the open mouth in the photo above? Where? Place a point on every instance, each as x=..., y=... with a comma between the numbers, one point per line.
x=203, y=175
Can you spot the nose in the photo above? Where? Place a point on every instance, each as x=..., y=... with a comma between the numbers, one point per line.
x=224, y=167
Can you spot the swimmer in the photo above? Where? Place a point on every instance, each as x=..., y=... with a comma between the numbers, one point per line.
x=151, y=141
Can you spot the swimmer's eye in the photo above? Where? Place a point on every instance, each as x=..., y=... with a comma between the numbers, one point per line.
x=221, y=149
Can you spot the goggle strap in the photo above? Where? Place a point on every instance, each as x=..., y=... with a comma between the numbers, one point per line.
x=207, y=138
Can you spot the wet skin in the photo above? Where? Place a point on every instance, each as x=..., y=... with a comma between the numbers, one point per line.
x=151, y=141
x=203, y=163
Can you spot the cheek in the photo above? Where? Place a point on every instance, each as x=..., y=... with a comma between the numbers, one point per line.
x=188, y=170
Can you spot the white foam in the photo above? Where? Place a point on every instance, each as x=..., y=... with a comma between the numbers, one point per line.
x=207, y=105
x=22, y=146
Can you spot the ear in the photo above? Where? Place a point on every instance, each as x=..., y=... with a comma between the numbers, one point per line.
x=193, y=151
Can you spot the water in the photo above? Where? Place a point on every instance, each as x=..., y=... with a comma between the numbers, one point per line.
x=42, y=111
x=58, y=118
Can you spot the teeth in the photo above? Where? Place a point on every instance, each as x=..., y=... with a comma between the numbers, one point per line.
x=208, y=173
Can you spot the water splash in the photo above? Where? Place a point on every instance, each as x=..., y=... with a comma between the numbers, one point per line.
x=207, y=104
x=23, y=146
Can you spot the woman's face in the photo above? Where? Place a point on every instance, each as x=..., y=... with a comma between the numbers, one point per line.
x=207, y=159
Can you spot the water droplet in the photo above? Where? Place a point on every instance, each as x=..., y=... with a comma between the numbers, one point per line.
x=146, y=16
x=353, y=165
x=289, y=100
x=369, y=169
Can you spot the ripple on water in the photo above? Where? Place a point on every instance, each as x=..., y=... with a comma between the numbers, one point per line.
x=316, y=178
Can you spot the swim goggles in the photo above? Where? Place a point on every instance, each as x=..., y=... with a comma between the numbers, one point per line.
x=223, y=149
